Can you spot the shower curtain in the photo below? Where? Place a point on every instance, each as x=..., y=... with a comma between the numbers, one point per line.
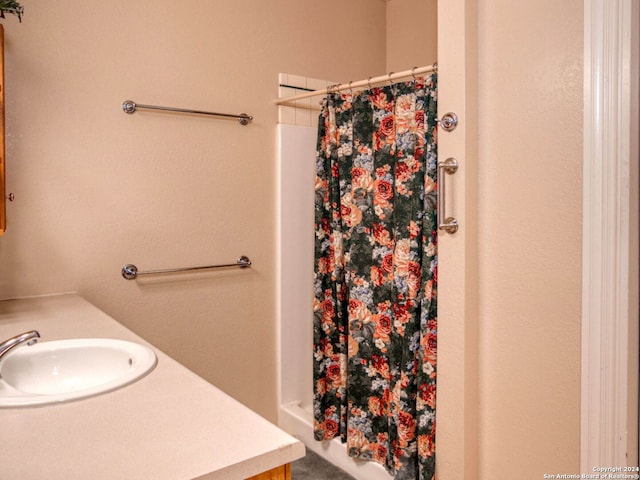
x=375, y=275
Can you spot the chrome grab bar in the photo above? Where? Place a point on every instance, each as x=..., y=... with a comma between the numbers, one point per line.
x=129, y=106
x=450, y=224
x=130, y=271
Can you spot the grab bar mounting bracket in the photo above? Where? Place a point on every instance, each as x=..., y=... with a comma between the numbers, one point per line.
x=449, y=122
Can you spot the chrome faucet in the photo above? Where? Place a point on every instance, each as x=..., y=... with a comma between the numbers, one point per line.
x=28, y=338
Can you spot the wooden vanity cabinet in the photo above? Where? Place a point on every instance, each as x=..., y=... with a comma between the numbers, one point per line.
x=283, y=472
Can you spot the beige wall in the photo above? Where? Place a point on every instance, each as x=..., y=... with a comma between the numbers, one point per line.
x=412, y=34
x=530, y=181
x=96, y=188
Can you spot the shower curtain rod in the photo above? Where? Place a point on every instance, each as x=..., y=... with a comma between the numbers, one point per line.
x=361, y=83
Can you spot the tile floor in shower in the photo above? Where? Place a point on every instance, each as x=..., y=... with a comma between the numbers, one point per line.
x=314, y=467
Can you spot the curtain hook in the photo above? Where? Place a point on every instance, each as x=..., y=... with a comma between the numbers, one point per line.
x=390, y=81
x=413, y=73
x=369, y=82
x=350, y=87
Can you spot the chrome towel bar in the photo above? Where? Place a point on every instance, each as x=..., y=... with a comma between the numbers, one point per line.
x=129, y=106
x=130, y=271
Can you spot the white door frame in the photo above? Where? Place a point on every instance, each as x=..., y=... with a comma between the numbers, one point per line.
x=609, y=417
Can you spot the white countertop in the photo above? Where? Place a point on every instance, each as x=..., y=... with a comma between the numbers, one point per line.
x=169, y=425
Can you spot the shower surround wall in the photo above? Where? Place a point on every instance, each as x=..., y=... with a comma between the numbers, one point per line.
x=297, y=132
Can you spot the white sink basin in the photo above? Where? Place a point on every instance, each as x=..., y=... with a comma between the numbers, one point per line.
x=64, y=370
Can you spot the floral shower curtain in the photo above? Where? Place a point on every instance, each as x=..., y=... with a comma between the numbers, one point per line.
x=376, y=274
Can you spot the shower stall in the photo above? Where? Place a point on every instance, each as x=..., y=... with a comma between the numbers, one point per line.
x=296, y=163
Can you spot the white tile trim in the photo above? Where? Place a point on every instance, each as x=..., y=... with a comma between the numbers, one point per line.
x=304, y=112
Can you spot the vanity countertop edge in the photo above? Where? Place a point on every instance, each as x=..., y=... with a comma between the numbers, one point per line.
x=169, y=425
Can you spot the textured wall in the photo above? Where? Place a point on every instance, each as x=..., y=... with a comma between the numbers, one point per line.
x=530, y=236
x=412, y=34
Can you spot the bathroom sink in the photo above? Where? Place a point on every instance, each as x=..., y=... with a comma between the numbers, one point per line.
x=64, y=370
